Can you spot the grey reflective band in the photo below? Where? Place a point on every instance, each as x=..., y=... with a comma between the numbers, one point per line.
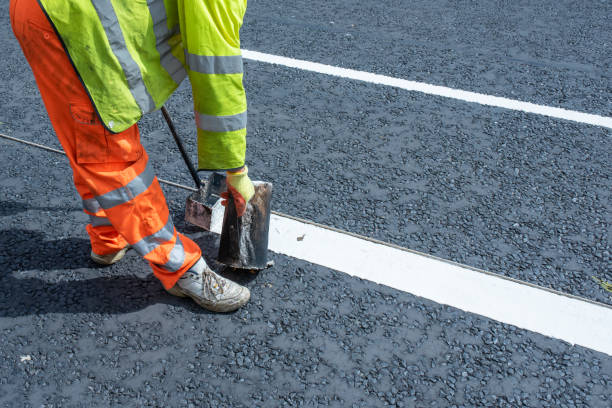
x=221, y=123
x=171, y=64
x=176, y=258
x=110, y=22
x=137, y=186
x=208, y=64
x=147, y=244
x=98, y=221
x=91, y=205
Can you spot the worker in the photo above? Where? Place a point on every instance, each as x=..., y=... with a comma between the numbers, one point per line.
x=100, y=65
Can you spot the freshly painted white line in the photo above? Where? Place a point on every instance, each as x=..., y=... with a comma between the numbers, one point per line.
x=566, y=318
x=466, y=96
x=556, y=315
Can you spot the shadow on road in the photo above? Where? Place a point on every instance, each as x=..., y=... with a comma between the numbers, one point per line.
x=25, y=250
x=107, y=295
x=22, y=249
x=8, y=208
x=64, y=259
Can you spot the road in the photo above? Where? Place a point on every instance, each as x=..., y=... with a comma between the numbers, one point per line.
x=521, y=195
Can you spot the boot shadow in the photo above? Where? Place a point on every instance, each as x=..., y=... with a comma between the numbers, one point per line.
x=61, y=265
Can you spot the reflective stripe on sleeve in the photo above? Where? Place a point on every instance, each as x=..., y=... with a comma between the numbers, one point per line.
x=208, y=64
x=176, y=258
x=171, y=64
x=147, y=244
x=91, y=205
x=221, y=123
x=110, y=22
x=96, y=221
x=137, y=186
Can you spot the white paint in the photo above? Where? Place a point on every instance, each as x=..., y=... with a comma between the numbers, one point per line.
x=216, y=217
x=466, y=96
x=569, y=319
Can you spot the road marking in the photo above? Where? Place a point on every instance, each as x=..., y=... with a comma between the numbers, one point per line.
x=429, y=89
x=529, y=307
x=553, y=314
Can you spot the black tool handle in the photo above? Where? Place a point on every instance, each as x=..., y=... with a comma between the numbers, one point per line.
x=179, y=143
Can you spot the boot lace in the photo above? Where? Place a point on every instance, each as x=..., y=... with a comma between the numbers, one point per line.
x=213, y=281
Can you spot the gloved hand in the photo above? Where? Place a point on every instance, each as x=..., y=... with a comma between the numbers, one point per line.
x=241, y=187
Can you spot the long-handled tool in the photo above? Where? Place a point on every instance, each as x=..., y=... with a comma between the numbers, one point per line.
x=244, y=240
x=179, y=143
x=199, y=205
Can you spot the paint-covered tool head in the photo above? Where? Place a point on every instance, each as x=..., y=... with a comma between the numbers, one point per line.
x=199, y=205
x=244, y=240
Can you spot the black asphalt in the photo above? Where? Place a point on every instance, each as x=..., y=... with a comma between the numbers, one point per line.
x=92, y=336
x=517, y=194
x=547, y=52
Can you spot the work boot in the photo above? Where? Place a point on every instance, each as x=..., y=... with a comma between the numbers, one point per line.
x=108, y=259
x=209, y=290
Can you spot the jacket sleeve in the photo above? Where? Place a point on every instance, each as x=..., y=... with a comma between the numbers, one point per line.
x=210, y=34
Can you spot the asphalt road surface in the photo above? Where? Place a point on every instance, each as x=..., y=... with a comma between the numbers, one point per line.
x=521, y=195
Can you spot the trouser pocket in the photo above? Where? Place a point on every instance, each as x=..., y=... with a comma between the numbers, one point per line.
x=95, y=144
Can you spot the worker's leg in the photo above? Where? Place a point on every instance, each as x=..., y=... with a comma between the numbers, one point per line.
x=111, y=171
x=104, y=238
x=210, y=35
x=31, y=29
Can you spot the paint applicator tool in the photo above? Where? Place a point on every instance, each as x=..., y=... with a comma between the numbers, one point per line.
x=244, y=240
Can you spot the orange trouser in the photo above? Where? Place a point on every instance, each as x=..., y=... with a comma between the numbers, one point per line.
x=111, y=172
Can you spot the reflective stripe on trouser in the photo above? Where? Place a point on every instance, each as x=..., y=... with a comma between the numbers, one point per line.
x=111, y=171
x=102, y=235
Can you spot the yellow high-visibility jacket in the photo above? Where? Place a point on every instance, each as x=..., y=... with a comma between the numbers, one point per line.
x=132, y=54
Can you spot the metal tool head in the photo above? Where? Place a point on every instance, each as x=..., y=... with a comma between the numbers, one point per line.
x=244, y=240
x=199, y=206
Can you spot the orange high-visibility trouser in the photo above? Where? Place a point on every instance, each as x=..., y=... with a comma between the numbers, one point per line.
x=111, y=172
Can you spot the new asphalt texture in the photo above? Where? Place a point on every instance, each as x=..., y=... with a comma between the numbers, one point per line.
x=517, y=194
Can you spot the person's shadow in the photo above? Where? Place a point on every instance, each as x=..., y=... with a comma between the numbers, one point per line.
x=8, y=208
x=58, y=288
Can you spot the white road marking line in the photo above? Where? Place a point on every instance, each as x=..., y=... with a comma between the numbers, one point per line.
x=555, y=315
x=458, y=94
x=562, y=317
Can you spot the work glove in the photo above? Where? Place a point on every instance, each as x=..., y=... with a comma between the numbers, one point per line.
x=241, y=187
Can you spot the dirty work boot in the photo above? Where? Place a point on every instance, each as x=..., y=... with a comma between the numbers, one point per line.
x=108, y=259
x=209, y=290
